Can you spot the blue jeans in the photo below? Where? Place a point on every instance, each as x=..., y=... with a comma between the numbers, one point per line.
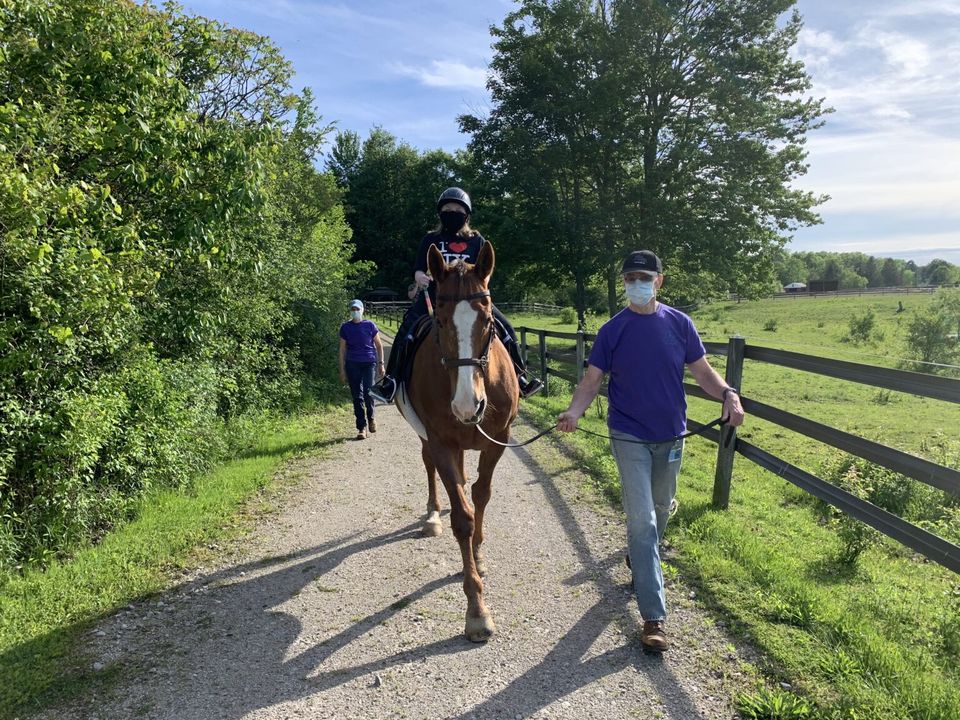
x=360, y=377
x=648, y=478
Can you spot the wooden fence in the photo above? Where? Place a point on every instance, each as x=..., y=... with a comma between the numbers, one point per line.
x=858, y=291
x=736, y=351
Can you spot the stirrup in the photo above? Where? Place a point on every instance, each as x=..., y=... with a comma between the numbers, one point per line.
x=529, y=385
x=384, y=390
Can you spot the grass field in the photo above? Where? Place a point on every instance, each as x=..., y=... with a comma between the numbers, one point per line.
x=875, y=637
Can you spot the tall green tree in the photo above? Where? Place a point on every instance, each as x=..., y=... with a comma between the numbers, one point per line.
x=390, y=191
x=675, y=125
x=940, y=272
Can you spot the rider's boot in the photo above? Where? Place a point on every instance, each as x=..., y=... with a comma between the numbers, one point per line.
x=529, y=385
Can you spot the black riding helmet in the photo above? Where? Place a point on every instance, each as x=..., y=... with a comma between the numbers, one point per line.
x=454, y=194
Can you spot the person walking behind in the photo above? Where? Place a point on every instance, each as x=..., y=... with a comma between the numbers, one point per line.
x=361, y=361
x=644, y=348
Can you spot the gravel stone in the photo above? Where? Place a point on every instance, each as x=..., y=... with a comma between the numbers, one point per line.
x=335, y=606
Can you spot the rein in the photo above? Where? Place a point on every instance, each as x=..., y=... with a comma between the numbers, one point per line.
x=689, y=433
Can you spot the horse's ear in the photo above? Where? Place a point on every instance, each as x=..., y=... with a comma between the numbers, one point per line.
x=485, y=262
x=436, y=264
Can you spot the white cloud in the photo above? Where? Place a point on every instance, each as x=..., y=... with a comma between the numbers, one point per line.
x=446, y=74
x=910, y=172
x=920, y=8
x=908, y=56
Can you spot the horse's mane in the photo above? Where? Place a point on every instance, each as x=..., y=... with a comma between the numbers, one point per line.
x=459, y=266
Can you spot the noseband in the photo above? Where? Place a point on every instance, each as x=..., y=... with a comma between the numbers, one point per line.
x=480, y=362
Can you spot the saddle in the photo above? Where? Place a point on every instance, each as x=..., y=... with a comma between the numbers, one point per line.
x=421, y=330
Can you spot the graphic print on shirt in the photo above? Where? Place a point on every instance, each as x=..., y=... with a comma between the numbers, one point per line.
x=453, y=251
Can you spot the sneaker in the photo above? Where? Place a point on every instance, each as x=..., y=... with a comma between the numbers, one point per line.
x=362, y=434
x=384, y=390
x=653, y=637
x=529, y=385
x=372, y=425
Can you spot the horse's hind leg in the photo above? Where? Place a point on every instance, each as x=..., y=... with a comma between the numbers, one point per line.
x=431, y=526
x=481, y=492
x=479, y=625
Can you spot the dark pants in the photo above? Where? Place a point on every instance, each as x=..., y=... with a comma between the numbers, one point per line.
x=505, y=331
x=360, y=376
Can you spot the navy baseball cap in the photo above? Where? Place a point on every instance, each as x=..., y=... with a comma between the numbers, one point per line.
x=644, y=260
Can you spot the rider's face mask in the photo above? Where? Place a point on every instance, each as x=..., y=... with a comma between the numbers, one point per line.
x=356, y=314
x=640, y=292
x=452, y=221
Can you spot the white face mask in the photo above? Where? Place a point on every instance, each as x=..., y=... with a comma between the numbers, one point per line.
x=640, y=292
x=356, y=314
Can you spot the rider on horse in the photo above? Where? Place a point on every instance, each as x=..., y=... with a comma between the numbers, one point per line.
x=456, y=241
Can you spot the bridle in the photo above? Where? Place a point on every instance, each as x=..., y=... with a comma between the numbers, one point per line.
x=480, y=362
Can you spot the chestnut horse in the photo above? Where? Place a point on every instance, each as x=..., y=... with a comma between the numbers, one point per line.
x=462, y=378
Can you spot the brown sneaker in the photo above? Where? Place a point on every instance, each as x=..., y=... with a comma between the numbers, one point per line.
x=654, y=637
x=362, y=434
x=372, y=425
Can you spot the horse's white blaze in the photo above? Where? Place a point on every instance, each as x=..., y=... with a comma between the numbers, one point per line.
x=464, y=402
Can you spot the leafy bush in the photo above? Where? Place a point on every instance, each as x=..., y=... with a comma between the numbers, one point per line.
x=862, y=326
x=568, y=315
x=928, y=339
x=891, y=491
x=164, y=230
x=770, y=325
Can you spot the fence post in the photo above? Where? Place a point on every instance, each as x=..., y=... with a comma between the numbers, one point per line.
x=579, y=355
x=523, y=344
x=543, y=362
x=728, y=435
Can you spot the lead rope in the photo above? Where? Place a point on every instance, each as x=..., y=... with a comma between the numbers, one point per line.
x=690, y=433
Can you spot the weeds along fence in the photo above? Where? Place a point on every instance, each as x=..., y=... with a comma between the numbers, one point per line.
x=736, y=351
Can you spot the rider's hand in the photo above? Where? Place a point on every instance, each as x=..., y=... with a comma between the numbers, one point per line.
x=422, y=279
x=567, y=421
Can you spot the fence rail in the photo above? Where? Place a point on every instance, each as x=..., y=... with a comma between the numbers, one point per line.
x=736, y=350
x=850, y=291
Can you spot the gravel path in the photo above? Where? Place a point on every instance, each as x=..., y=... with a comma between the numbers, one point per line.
x=336, y=607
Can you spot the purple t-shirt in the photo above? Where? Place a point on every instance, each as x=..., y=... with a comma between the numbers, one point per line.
x=645, y=356
x=359, y=338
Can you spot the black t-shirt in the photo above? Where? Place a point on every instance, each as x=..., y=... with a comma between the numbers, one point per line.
x=452, y=247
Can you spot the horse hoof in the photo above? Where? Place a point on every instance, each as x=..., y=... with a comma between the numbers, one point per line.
x=481, y=565
x=432, y=529
x=480, y=629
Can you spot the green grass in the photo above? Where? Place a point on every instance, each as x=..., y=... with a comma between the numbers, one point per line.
x=44, y=615
x=877, y=638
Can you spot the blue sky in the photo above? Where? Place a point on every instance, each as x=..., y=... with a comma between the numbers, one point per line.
x=889, y=156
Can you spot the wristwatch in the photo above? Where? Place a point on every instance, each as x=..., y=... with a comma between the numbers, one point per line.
x=728, y=390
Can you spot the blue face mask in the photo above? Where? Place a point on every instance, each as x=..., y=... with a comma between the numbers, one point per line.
x=640, y=292
x=356, y=314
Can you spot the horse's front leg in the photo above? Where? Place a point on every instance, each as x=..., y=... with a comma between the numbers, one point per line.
x=479, y=623
x=431, y=526
x=481, y=491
